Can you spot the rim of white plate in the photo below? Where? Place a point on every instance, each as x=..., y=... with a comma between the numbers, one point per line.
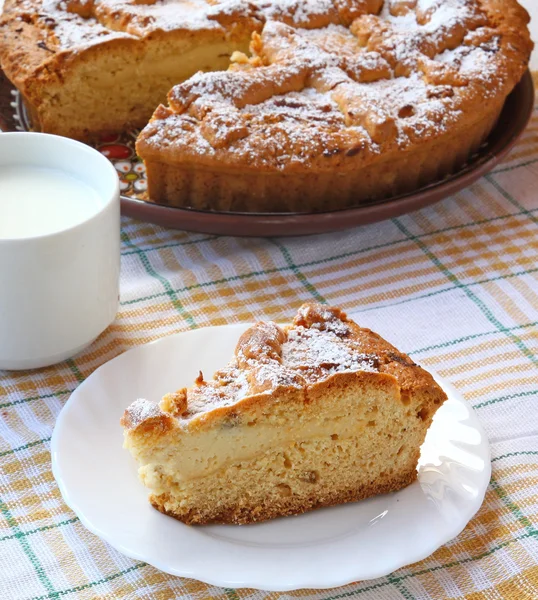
x=312, y=583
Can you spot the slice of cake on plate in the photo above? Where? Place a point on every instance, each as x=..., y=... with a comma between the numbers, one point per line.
x=311, y=414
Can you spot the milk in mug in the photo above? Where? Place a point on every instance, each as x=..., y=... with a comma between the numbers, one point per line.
x=36, y=201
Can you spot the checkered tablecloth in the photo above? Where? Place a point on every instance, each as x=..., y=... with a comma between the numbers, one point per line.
x=454, y=285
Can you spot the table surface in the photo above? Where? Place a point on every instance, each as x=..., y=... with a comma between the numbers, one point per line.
x=455, y=285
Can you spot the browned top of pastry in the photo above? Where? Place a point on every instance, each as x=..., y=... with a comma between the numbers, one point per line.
x=364, y=79
x=320, y=342
x=327, y=80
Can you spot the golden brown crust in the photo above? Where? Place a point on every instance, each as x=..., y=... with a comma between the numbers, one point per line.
x=321, y=348
x=104, y=51
x=340, y=103
x=45, y=35
x=339, y=115
x=146, y=417
x=241, y=189
x=38, y=41
x=236, y=515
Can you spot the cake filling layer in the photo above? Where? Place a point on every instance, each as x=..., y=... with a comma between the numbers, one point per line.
x=243, y=437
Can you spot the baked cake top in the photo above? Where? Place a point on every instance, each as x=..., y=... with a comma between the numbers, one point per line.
x=326, y=80
x=320, y=342
x=362, y=79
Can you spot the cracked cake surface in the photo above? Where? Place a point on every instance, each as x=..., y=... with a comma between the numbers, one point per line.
x=287, y=105
x=314, y=413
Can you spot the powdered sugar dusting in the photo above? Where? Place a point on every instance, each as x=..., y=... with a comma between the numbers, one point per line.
x=324, y=91
x=319, y=345
x=300, y=13
x=62, y=29
x=139, y=411
x=342, y=70
x=318, y=354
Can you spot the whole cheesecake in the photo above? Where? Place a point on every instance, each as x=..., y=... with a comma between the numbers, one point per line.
x=323, y=104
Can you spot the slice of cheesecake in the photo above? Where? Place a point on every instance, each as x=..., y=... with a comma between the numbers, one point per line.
x=315, y=413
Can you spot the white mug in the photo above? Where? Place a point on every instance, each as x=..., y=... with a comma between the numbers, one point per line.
x=58, y=291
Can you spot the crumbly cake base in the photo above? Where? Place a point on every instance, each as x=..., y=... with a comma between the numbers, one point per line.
x=187, y=185
x=303, y=476
x=266, y=510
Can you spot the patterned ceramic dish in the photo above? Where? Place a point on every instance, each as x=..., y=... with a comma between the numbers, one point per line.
x=321, y=549
x=120, y=150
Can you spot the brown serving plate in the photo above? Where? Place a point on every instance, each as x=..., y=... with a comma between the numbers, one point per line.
x=120, y=149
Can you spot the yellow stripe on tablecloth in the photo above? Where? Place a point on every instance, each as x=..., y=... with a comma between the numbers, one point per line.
x=519, y=587
x=505, y=300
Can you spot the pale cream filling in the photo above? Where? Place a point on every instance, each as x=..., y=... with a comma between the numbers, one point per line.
x=200, y=455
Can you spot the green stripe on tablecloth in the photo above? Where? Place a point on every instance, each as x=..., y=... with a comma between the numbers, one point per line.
x=331, y=258
x=454, y=563
x=32, y=398
x=448, y=289
x=137, y=250
x=469, y=337
x=80, y=588
x=30, y=554
x=375, y=586
x=511, y=199
x=400, y=587
x=39, y=529
x=514, y=167
x=504, y=398
x=516, y=453
x=204, y=284
x=465, y=288
x=25, y=447
x=75, y=370
x=163, y=281
x=297, y=272
x=377, y=246
x=512, y=507
x=314, y=263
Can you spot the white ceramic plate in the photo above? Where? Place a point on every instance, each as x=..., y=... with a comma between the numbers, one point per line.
x=322, y=549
